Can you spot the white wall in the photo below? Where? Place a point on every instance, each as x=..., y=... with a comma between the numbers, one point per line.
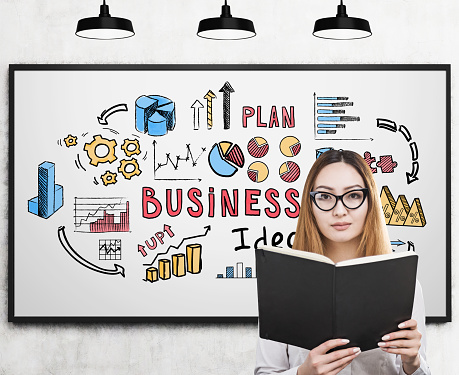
x=42, y=31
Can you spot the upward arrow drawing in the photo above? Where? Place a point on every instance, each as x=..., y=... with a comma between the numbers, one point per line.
x=226, y=90
x=207, y=230
x=209, y=96
x=197, y=105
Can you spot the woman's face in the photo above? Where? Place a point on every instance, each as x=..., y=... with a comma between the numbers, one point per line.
x=340, y=225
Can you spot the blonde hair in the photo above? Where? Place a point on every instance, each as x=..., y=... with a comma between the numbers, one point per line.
x=374, y=239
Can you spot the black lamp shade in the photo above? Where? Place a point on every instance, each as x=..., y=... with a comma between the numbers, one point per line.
x=342, y=27
x=226, y=27
x=104, y=26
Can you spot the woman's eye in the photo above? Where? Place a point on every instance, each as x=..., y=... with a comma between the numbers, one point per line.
x=324, y=196
x=355, y=196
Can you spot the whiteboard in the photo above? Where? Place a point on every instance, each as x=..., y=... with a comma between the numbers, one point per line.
x=139, y=192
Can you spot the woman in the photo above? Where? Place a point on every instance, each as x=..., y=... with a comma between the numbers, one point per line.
x=341, y=218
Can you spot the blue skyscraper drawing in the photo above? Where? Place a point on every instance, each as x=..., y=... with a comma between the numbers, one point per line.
x=50, y=196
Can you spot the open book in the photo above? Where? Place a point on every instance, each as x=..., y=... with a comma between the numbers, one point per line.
x=304, y=299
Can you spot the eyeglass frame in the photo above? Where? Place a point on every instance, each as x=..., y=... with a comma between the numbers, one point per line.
x=338, y=198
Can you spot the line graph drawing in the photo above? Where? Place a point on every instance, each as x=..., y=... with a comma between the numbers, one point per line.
x=207, y=230
x=176, y=163
x=110, y=249
x=101, y=215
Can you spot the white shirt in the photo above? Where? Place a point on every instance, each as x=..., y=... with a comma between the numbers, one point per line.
x=278, y=358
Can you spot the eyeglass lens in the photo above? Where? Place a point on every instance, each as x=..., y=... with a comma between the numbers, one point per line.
x=351, y=199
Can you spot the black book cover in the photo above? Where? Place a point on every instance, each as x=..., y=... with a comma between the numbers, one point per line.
x=305, y=302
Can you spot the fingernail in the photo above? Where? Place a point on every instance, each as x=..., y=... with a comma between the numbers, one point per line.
x=386, y=337
x=401, y=325
x=356, y=350
x=381, y=344
x=345, y=341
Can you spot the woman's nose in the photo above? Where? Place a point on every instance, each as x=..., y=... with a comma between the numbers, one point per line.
x=339, y=209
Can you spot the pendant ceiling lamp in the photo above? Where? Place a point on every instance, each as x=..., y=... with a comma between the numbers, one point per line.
x=226, y=27
x=104, y=26
x=342, y=26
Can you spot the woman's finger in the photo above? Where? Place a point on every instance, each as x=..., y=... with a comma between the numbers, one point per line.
x=337, y=365
x=412, y=323
x=330, y=344
x=409, y=352
x=340, y=354
x=399, y=344
x=403, y=334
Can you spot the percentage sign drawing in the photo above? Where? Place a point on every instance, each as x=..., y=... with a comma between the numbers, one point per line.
x=400, y=216
x=414, y=217
x=386, y=213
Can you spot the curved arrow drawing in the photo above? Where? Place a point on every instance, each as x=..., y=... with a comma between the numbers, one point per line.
x=197, y=105
x=406, y=133
x=384, y=123
x=414, y=151
x=226, y=90
x=411, y=177
x=207, y=228
x=108, y=112
x=66, y=245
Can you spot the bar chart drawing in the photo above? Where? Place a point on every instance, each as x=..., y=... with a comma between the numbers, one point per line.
x=330, y=116
x=179, y=265
x=110, y=249
x=50, y=195
x=238, y=272
x=101, y=215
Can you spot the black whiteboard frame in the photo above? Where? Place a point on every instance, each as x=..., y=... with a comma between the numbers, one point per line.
x=239, y=67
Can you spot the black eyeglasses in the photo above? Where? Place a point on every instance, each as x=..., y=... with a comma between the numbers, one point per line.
x=327, y=201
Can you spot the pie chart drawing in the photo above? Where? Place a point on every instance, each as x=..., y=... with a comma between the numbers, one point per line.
x=258, y=147
x=226, y=158
x=258, y=171
x=289, y=171
x=290, y=146
x=154, y=115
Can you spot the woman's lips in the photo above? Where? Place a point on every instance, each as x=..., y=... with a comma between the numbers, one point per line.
x=341, y=226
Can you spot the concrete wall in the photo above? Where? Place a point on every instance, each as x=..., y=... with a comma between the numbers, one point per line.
x=42, y=31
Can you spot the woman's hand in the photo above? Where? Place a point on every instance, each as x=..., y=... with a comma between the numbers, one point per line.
x=405, y=342
x=320, y=363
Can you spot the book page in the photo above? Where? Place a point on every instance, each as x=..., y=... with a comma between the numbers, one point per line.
x=298, y=253
x=375, y=258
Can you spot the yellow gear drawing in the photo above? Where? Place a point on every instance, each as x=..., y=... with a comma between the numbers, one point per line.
x=124, y=164
x=90, y=149
x=108, y=178
x=70, y=141
x=127, y=143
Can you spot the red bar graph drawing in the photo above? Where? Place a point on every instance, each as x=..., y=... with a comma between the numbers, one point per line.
x=101, y=215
